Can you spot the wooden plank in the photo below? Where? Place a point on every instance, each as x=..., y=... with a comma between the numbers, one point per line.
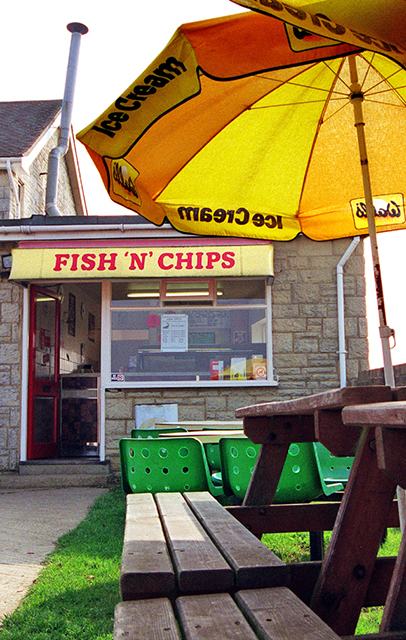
x=212, y=617
x=394, y=615
x=332, y=399
x=282, y=518
x=199, y=566
x=357, y=533
x=304, y=575
x=146, y=569
x=280, y=429
x=266, y=475
x=391, y=414
x=153, y=619
x=391, y=452
x=341, y=441
x=253, y=563
x=277, y=614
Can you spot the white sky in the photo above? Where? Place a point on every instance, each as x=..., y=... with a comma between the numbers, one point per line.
x=123, y=38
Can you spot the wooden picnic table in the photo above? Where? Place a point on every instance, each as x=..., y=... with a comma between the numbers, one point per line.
x=367, y=501
x=200, y=425
x=206, y=437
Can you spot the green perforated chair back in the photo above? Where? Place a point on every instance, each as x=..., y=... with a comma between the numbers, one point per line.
x=164, y=464
x=299, y=481
x=154, y=433
x=212, y=450
x=332, y=468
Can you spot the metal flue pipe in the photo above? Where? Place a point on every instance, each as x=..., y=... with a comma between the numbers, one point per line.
x=77, y=30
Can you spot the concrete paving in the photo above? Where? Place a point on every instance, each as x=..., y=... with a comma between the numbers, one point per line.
x=31, y=521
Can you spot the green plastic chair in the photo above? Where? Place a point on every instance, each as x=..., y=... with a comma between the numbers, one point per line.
x=212, y=450
x=154, y=433
x=152, y=465
x=332, y=468
x=299, y=482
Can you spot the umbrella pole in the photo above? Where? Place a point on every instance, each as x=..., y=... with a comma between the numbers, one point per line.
x=385, y=332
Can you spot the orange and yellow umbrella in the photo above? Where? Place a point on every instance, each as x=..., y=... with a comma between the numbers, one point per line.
x=244, y=126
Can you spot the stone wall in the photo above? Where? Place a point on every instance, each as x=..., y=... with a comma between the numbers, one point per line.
x=35, y=184
x=11, y=298
x=305, y=341
x=377, y=376
x=10, y=374
x=305, y=325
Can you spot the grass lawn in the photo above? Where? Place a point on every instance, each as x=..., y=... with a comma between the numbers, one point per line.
x=76, y=593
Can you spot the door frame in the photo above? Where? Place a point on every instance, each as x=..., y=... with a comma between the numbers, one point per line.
x=50, y=388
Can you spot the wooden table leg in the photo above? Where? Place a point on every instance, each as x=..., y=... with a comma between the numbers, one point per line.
x=394, y=615
x=267, y=472
x=351, y=555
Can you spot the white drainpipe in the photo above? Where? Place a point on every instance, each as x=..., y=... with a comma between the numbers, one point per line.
x=340, y=312
x=77, y=30
x=13, y=187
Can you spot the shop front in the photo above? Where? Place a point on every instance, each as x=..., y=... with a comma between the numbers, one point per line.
x=141, y=318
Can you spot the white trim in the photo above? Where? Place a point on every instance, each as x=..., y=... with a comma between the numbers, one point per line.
x=205, y=384
x=24, y=374
x=269, y=336
x=105, y=358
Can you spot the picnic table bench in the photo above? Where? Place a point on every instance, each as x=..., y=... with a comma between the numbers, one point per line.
x=363, y=514
x=191, y=571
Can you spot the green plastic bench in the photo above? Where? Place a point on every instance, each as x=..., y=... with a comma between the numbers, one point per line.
x=154, y=433
x=300, y=480
x=332, y=468
x=165, y=464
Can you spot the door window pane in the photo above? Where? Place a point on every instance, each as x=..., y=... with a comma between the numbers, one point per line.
x=43, y=419
x=45, y=338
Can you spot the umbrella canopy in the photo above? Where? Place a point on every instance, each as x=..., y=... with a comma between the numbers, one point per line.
x=232, y=132
x=378, y=25
x=244, y=126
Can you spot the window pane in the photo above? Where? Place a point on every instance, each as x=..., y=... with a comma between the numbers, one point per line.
x=241, y=292
x=136, y=293
x=188, y=344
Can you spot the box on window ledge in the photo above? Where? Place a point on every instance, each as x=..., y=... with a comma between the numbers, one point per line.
x=238, y=368
x=216, y=369
x=258, y=368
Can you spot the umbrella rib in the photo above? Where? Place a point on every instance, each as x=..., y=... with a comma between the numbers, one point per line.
x=286, y=104
x=384, y=79
x=300, y=84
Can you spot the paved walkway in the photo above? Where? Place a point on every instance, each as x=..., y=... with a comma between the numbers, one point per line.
x=31, y=521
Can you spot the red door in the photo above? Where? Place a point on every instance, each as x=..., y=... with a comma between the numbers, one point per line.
x=43, y=376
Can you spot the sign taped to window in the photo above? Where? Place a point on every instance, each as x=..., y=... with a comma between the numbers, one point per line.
x=174, y=332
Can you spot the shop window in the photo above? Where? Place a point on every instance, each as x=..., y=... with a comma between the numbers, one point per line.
x=194, y=331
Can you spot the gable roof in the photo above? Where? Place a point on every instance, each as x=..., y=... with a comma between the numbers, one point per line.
x=22, y=124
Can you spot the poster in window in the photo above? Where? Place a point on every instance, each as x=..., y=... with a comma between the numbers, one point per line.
x=72, y=315
x=91, y=326
x=239, y=337
x=174, y=332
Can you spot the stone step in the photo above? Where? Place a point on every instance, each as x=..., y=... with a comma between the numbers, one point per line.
x=15, y=481
x=59, y=472
x=64, y=466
